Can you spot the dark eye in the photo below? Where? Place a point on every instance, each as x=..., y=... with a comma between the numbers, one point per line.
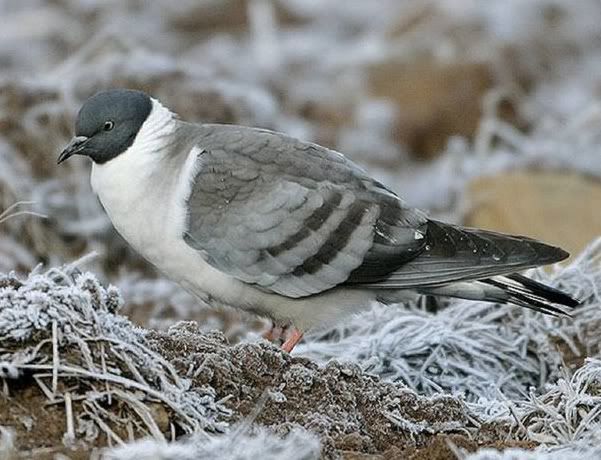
x=108, y=125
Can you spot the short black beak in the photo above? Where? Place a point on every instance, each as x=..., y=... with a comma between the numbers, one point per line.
x=76, y=145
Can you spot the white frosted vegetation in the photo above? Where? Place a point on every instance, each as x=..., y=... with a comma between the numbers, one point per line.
x=569, y=412
x=507, y=362
x=476, y=349
x=61, y=325
x=239, y=443
x=581, y=453
x=271, y=77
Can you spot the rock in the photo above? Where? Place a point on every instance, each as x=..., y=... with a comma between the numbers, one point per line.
x=436, y=100
x=557, y=207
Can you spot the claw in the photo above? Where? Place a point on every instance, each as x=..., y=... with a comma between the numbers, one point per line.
x=274, y=333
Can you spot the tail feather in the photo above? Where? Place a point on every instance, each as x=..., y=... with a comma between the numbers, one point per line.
x=526, y=292
x=515, y=289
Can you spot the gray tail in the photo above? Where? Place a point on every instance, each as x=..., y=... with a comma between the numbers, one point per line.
x=526, y=292
x=513, y=288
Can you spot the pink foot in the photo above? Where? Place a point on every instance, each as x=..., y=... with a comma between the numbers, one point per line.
x=294, y=337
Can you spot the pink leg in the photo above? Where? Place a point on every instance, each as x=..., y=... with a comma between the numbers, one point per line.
x=294, y=337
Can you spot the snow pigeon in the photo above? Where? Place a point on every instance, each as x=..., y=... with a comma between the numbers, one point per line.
x=289, y=230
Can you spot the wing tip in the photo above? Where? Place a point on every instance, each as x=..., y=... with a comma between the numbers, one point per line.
x=550, y=254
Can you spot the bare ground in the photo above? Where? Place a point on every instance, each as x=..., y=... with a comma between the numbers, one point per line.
x=356, y=415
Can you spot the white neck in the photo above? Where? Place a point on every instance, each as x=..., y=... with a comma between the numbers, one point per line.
x=153, y=133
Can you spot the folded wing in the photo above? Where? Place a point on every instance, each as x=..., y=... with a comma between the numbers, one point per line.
x=292, y=217
x=298, y=219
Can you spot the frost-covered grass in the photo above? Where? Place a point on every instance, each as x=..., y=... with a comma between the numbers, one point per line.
x=60, y=326
x=237, y=444
x=569, y=412
x=60, y=330
x=581, y=453
x=293, y=77
x=301, y=67
x=508, y=363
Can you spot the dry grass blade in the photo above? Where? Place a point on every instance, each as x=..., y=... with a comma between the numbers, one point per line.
x=8, y=214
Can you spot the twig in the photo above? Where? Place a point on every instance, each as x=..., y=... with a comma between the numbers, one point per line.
x=47, y=392
x=111, y=435
x=144, y=414
x=69, y=416
x=55, y=357
x=5, y=215
x=104, y=370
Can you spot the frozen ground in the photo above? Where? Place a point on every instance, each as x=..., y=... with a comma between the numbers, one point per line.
x=428, y=96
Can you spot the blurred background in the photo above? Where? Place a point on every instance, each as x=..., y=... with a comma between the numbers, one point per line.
x=486, y=113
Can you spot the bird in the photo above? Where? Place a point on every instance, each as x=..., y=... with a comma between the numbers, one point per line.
x=288, y=230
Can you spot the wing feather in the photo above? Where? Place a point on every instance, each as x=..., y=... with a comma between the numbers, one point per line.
x=453, y=254
x=292, y=217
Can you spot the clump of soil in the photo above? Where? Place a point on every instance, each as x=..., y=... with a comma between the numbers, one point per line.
x=353, y=412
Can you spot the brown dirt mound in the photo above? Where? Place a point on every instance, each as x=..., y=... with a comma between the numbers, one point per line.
x=355, y=414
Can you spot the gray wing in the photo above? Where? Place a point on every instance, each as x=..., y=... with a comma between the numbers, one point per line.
x=292, y=217
x=453, y=254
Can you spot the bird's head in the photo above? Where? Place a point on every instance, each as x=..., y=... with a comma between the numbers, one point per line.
x=107, y=124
